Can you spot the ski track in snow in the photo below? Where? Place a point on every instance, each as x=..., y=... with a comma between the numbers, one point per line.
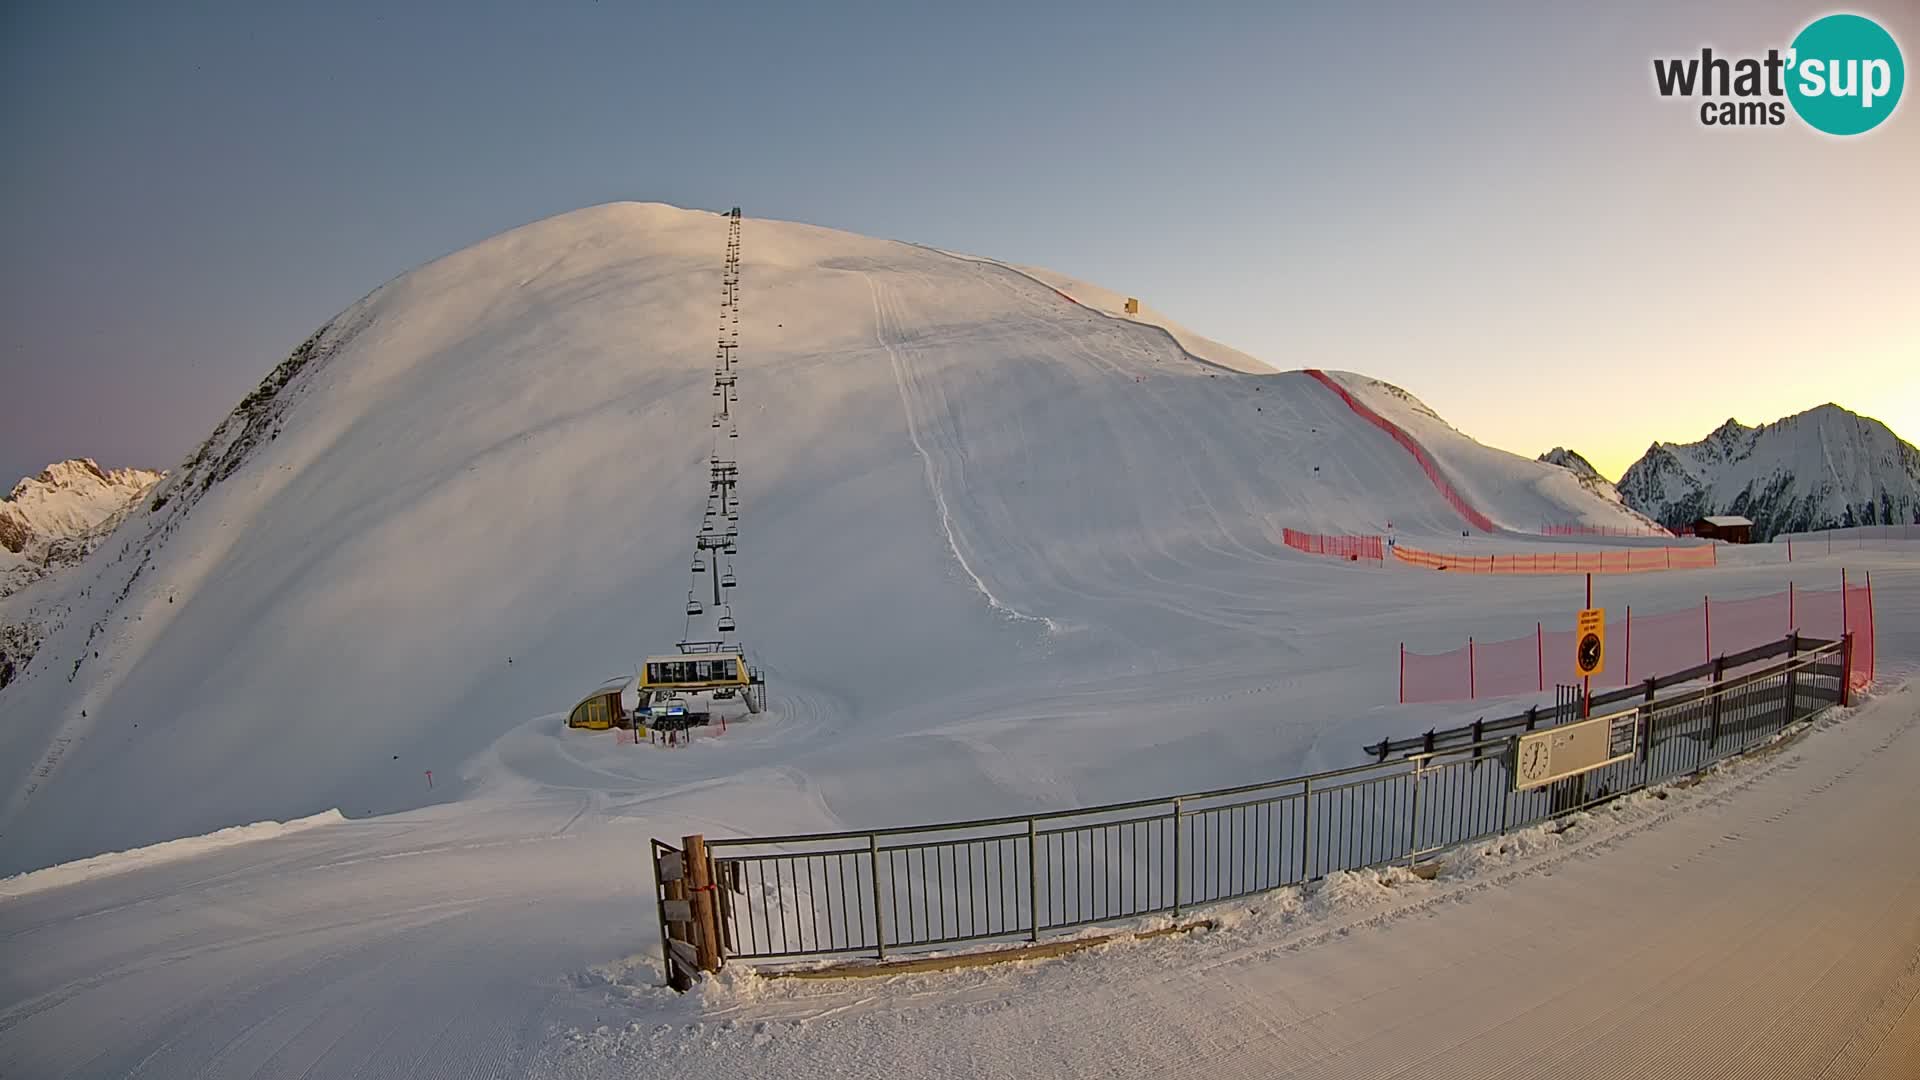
x=881, y=325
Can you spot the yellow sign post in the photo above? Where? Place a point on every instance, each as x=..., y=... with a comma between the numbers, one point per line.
x=1590, y=642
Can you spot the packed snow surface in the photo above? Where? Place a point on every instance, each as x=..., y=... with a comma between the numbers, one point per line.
x=978, y=520
x=1000, y=552
x=1764, y=921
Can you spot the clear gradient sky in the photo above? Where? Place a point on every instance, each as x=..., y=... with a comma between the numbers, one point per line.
x=1486, y=203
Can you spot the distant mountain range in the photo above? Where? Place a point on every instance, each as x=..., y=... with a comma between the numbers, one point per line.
x=1823, y=468
x=51, y=522
x=55, y=519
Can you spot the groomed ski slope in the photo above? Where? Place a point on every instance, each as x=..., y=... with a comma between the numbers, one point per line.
x=965, y=499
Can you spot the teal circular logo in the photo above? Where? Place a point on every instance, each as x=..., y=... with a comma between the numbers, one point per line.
x=1845, y=74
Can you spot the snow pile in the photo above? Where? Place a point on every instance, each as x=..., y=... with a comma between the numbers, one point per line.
x=1822, y=468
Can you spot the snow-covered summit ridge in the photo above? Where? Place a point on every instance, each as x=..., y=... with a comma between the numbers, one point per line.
x=68, y=499
x=1825, y=467
x=54, y=520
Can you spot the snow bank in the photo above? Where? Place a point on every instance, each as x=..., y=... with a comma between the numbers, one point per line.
x=119, y=862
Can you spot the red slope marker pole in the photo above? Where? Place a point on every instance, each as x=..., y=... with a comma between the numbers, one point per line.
x=429, y=779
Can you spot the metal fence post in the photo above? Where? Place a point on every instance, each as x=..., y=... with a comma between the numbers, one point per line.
x=1506, y=794
x=1033, y=878
x=1713, y=734
x=1413, y=824
x=1306, y=829
x=879, y=919
x=1176, y=858
x=1793, y=683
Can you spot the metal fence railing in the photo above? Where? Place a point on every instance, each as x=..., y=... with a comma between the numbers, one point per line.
x=1480, y=730
x=883, y=890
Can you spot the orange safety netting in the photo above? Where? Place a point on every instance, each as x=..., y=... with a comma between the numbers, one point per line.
x=1646, y=645
x=1345, y=547
x=1615, y=561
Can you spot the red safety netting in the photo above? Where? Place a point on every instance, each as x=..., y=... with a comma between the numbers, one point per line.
x=1859, y=615
x=1641, y=646
x=1599, y=561
x=1344, y=547
x=1407, y=442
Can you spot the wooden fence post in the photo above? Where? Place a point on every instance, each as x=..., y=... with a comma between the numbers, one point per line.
x=678, y=930
x=706, y=926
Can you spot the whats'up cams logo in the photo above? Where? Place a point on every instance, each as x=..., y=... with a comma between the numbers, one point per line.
x=1843, y=75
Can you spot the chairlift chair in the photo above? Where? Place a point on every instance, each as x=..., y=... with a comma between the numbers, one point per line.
x=693, y=605
x=730, y=549
x=727, y=580
x=726, y=624
x=698, y=566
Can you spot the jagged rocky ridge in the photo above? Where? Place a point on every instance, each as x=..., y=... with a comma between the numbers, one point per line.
x=1823, y=468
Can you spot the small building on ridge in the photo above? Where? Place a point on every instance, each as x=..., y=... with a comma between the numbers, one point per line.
x=1728, y=527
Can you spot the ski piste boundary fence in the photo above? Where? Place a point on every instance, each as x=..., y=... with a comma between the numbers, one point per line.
x=1851, y=538
x=1412, y=446
x=1579, y=528
x=1604, y=561
x=1532, y=664
x=885, y=890
x=1620, y=561
x=1346, y=547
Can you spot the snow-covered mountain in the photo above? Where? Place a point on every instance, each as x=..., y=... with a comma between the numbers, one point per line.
x=54, y=520
x=1581, y=467
x=1823, y=468
x=472, y=496
x=1590, y=478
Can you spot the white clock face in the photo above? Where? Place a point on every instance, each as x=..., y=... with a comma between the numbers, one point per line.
x=1534, y=761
